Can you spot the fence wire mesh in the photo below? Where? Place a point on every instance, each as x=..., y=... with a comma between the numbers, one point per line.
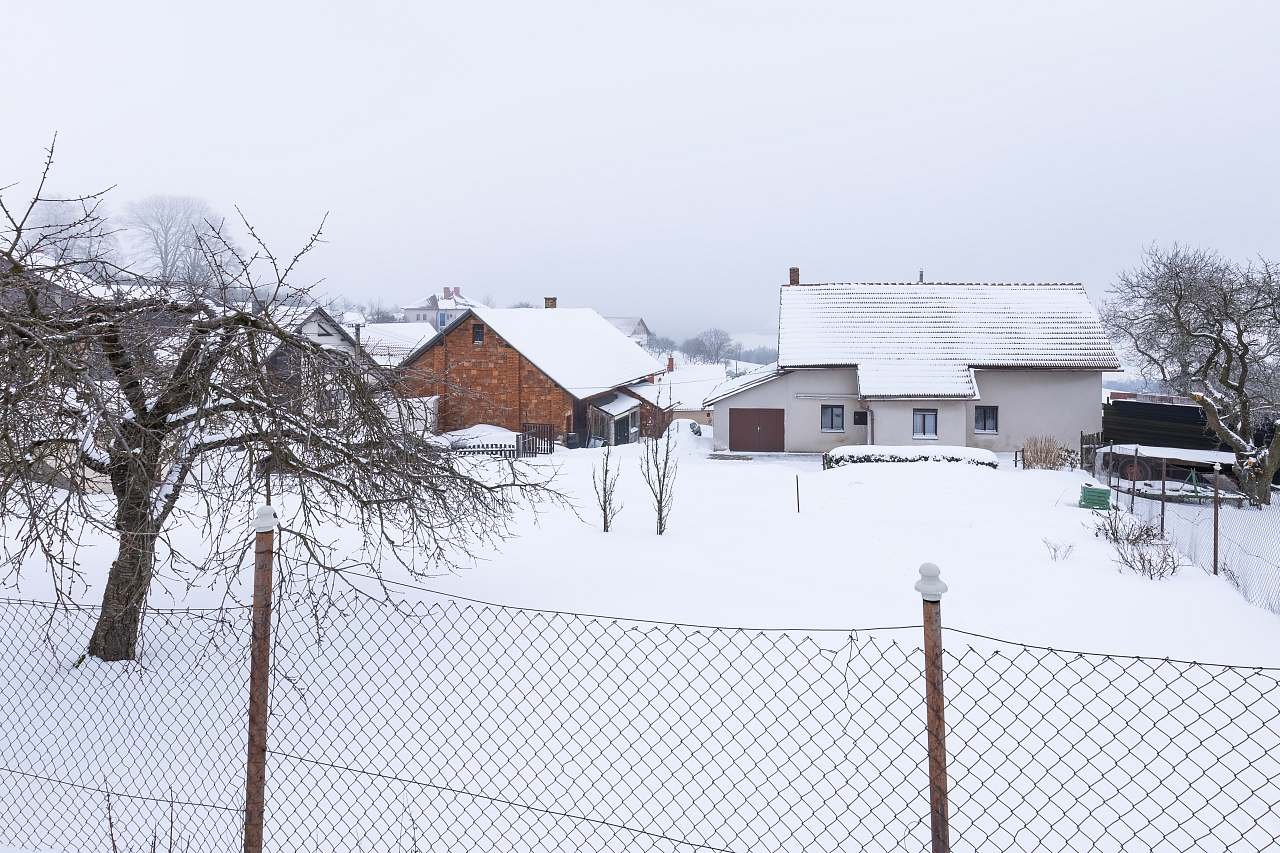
x=1248, y=536
x=450, y=727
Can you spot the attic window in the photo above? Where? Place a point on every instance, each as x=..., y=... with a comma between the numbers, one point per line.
x=477, y=333
x=323, y=331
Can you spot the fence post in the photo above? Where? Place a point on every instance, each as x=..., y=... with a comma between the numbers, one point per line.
x=1133, y=483
x=931, y=588
x=1217, y=467
x=1164, y=477
x=255, y=780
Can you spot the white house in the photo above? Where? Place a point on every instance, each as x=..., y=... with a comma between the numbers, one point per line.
x=438, y=310
x=919, y=363
x=633, y=327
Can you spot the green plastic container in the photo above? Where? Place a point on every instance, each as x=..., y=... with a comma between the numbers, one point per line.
x=1095, y=497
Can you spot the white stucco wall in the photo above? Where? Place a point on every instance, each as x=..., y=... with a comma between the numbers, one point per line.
x=1060, y=403
x=801, y=395
x=892, y=421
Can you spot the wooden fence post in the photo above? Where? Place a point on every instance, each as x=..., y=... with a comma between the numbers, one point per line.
x=1133, y=482
x=1164, y=476
x=931, y=588
x=255, y=780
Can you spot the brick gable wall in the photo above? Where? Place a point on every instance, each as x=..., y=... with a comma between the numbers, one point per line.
x=487, y=383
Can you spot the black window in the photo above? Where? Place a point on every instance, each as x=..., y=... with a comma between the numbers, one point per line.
x=477, y=333
x=986, y=419
x=924, y=423
x=833, y=418
x=859, y=417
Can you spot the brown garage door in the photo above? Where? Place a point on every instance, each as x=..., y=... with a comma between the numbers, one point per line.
x=756, y=430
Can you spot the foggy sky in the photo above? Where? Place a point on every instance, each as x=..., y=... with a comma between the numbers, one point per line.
x=669, y=159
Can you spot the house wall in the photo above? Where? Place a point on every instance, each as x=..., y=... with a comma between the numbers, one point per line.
x=488, y=383
x=893, y=422
x=1060, y=403
x=801, y=395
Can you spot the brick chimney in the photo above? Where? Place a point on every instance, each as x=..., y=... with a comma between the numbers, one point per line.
x=447, y=294
x=548, y=302
x=795, y=275
x=671, y=363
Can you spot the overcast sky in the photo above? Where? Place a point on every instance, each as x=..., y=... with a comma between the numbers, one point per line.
x=670, y=159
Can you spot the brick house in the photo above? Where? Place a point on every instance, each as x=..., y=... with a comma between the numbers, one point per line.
x=567, y=368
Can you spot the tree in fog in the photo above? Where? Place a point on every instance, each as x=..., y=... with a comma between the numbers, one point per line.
x=710, y=346
x=130, y=403
x=1209, y=328
x=165, y=235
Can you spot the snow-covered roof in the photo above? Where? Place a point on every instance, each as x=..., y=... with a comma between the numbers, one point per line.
x=617, y=405
x=915, y=337
x=887, y=379
x=390, y=343
x=1172, y=454
x=581, y=351
x=657, y=394
x=630, y=325
x=729, y=387
x=453, y=301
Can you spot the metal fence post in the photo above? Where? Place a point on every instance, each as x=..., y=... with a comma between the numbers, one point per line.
x=1133, y=483
x=931, y=588
x=1217, y=468
x=255, y=780
x=1164, y=479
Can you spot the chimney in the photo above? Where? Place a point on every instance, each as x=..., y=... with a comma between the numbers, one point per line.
x=548, y=302
x=922, y=276
x=447, y=294
x=671, y=363
x=795, y=275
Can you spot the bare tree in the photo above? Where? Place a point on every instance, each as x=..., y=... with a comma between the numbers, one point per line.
x=604, y=480
x=710, y=345
x=131, y=404
x=1209, y=328
x=166, y=233
x=658, y=466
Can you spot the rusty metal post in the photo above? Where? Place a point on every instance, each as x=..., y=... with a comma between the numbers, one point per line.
x=1133, y=480
x=1217, y=468
x=255, y=779
x=1164, y=478
x=931, y=588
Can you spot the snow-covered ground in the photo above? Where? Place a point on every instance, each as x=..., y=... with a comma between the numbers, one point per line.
x=722, y=737
x=739, y=554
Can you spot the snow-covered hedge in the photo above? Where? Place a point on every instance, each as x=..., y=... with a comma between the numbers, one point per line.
x=852, y=453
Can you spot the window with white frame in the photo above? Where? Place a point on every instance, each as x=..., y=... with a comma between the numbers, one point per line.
x=986, y=419
x=924, y=423
x=833, y=418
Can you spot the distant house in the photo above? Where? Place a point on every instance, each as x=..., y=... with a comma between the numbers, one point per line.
x=632, y=327
x=919, y=363
x=389, y=344
x=319, y=326
x=567, y=370
x=438, y=310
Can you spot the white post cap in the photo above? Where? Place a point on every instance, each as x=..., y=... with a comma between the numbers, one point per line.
x=264, y=519
x=930, y=586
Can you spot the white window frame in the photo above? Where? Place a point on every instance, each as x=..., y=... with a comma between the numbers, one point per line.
x=821, y=409
x=924, y=413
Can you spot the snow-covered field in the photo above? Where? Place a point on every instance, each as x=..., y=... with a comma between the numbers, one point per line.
x=734, y=739
x=739, y=554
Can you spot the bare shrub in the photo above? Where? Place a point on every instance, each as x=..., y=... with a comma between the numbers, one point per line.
x=1042, y=451
x=1058, y=551
x=1153, y=560
x=1122, y=528
x=604, y=480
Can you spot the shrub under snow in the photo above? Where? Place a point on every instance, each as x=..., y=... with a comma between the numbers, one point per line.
x=853, y=453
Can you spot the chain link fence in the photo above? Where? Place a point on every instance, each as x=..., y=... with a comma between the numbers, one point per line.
x=1235, y=539
x=464, y=727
